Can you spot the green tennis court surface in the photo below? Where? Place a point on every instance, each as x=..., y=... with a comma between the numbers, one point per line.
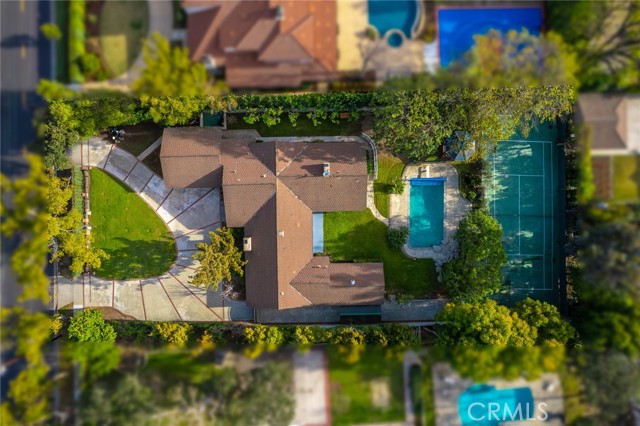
x=522, y=195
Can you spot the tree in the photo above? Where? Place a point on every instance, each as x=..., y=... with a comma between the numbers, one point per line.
x=514, y=59
x=545, y=318
x=174, y=110
x=52, y=90
x=606, y=37
x=28, y=396
x=476, y=273
x=482, y=323
x=51, y=31
x=219, y=260
x=89, y=326
x=169, y=71
x=95, y=359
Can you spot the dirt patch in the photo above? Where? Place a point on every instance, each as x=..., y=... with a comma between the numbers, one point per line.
x=109, y=313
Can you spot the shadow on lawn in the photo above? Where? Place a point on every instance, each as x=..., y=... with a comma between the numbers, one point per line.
x=135, y=259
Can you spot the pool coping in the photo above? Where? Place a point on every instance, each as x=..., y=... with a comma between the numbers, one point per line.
x=455, y=208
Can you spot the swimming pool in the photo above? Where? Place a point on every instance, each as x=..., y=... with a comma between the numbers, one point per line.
x=388, y=15
x=426, y=212
x=474, y=405
x=457, y=26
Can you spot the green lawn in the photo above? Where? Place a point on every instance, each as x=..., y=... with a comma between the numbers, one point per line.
x=182, y=366
x=123, y=26
x=360, y=236
x=139, y=243
x=389, y=168
x=304, y=127
x=626, y=178
x=139, y=137
x=351, y=401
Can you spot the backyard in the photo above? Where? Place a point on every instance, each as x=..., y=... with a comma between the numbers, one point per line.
x=304, y=127
x=626, y=178
x=389, y=169
x=368, y=391
x=359, y=236
x=124, y=226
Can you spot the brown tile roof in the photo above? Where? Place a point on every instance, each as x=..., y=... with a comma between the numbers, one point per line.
x=271, y=189
x=300, y=47
x=190, y=157
x=607, y=116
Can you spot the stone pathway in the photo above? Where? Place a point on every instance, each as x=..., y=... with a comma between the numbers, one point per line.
x=189, y=214
x=455, y=208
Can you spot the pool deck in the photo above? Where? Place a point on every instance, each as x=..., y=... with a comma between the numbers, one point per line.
x=448, y=386
x=455, y=208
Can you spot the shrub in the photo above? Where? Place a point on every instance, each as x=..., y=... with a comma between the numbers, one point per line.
x=585, y=183
x=51, y=31
x=397, y=237
x=56, y=324
x=400, y=335
x=90, y=64
x=176, y=333
x=376, y=336
x=77, y=9
x=263, y=335
x=347, y=336
x=397, y=186
x=371, y=33
x=89, y=326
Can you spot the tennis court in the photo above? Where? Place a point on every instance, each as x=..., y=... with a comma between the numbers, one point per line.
x=522, y=195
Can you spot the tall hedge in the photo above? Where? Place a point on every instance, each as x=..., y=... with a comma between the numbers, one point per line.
x=585, y=185
x=77, y=33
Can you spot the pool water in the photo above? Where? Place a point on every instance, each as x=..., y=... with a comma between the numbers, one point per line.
x=457, y=26
x=515, y=404
x=388, y=15
x=395, y=40
x=426, y=212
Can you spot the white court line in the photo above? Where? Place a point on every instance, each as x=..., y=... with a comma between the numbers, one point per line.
x=544, y=224
x=523, y=141
x=519, y=218
x=519, y=175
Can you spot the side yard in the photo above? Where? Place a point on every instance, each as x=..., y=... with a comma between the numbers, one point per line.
x=359, y=236
x=304, y=126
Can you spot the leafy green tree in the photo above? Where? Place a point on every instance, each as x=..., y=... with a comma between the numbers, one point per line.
x=89, y=326
x=51, y=31
x=476, y=273
x=52, y=90
x=28, y=397
x=219, y=260
x=545, y=317
x=513, y=59
x=176, y=333
x=482, y=323
x=169, y=71
x=174, y=111
x=95, y=359
x=606, y=37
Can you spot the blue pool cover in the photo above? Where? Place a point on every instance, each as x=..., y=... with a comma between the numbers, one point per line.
x=387, y=15
x=318, y=232
x=426, y=212
x=457, y=26
x=507, y=405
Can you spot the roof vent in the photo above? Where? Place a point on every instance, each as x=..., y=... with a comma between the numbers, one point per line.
x=246, y=244
x=353, y=282
x=281, y=233
x=280, y=13
x=326, y=170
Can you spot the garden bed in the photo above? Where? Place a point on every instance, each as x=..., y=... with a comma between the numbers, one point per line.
x=124, y=226
x=140, y=137
x=359, y=236
x=153, y=162
x=304, y=126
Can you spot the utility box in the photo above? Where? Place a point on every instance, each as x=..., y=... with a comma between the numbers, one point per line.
x=246, y=244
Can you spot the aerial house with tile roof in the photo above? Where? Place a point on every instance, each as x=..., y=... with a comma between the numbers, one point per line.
x=271, y=189
x=264, y=43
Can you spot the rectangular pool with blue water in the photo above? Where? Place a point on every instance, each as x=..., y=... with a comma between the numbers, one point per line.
x=426, y=212
x=484, y=405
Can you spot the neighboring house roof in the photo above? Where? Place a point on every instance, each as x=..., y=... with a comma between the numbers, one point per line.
x=614, y=120
x=271, y=189
x=265, y=43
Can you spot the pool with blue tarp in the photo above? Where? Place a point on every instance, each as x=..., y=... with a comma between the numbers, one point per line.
x=457, y=26
x=318, y=232
x=426, y=212
x=484, y=405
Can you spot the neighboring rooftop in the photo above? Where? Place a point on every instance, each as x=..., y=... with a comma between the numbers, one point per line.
x=271, y=190
x=265, y=43
x=614, y=120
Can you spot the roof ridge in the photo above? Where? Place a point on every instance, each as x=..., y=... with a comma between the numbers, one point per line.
x=293, y=31
x=306, y=145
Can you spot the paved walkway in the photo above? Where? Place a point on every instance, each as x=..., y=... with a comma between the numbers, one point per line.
x=455, y=208
x=311, y=388
x=189, y=214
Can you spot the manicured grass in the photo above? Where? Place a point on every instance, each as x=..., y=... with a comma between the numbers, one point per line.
x=78, y=188
x=123, y=26
x=304, y=127
x=389, y=169
x=351, y=387
x=124, y=226
x=153, y=162
x=626, y=178
x=140, y=137
x=360, y=236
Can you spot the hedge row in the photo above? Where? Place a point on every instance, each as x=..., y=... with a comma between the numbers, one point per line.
x=77, y=33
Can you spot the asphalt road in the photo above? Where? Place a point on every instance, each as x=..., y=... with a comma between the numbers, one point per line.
x=25, y=58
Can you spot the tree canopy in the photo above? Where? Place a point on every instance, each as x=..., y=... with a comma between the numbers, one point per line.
x=219, y=260
x=476, y=272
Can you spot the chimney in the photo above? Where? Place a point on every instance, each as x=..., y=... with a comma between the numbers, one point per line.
x=246, y=244
x=326, y=170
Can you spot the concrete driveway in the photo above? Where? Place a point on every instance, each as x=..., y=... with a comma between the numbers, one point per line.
x=189, y=214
